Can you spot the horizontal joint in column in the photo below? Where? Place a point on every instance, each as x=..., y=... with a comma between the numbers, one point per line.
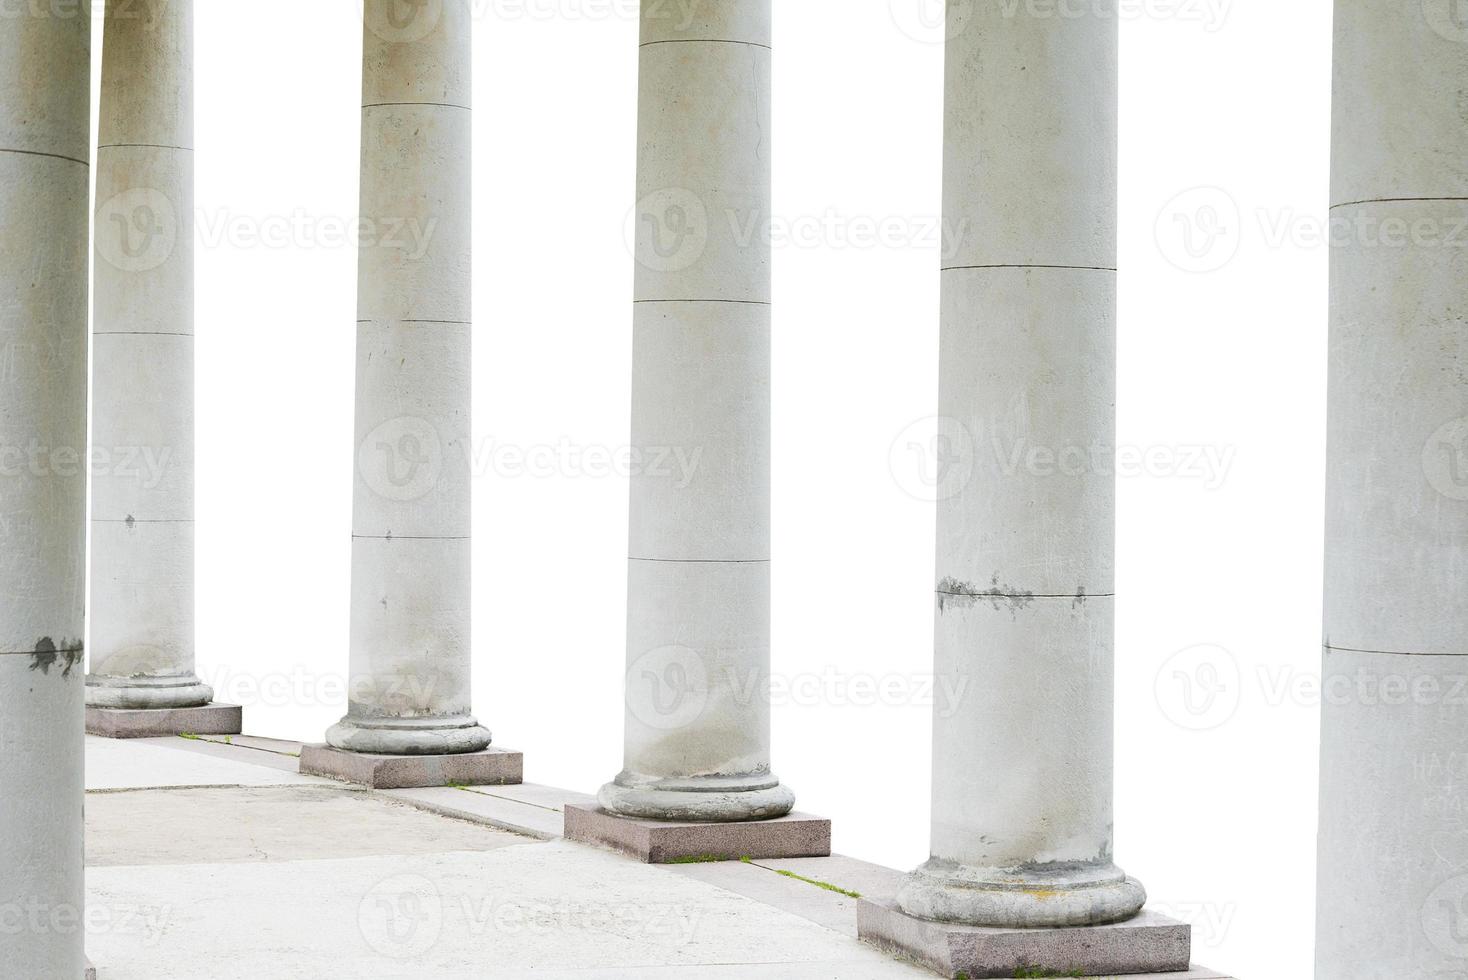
x=704, y=40
x=704, y=561
x=145, y=146
x=1029, y=265
x=411, y=537
x=1390, y=653
x=740, y=302
x=440, y=105
x=1398, y=200
x=42, y=153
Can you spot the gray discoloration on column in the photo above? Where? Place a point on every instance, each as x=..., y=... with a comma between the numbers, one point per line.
x=1393, y=869
x=1022, y=770
x=698, y=626
x=142, y=611
x=44, y=170
x=410, y=544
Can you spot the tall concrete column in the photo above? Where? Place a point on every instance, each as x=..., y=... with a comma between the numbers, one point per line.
x=45, y=157
x=1393, y=870
x=1022, y=769
x=410, y=543
x=697, y=737
x=142, y=604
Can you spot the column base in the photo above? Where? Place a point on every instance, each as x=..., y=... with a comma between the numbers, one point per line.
x=1146, y=943
x=147, y=693
x=714, y=799
x=791, y=835
x=488, y=767
x=409, y=736
x=209, y=719
x=1047, y=897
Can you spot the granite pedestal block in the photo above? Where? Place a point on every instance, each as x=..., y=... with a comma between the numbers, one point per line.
x=1149, y=943
x=665, y=842
x=210, y=719
x=491, y=767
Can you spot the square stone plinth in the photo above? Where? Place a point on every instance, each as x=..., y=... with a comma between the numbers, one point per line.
x=211, y=719
x=661, y=842
x=1150, y=943
x=492, y=767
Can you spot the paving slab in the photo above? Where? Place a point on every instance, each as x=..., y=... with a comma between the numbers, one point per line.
x=667, y=842
x=492, y=767
x=552, y=909
x=268, y=823
x=824, y=890
x=113, y=764
x=483, y=807
x=220, y=749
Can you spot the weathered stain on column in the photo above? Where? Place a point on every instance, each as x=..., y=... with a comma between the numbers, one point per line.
x=410, y=653
x=44, y=174
x=1393, y=869
x=1022, y=768
x=697, y=743
x=142, y=606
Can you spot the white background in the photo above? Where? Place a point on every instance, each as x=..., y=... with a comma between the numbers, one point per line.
x=1224, y=161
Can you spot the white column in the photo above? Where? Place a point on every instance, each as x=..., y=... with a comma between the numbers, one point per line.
x=697, y=743
x=1393, y=869
x=1022, y=769
x=142, y=605
x=410, y=545
x=44, y=174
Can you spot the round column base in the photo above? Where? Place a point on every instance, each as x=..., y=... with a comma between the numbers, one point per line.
x=714, y=799
x=1044, y=897
x=147, y=693
x=409, y=736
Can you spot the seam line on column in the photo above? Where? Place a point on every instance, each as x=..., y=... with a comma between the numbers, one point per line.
x=1016, y=265
x=139, y=333
x=412, y=537
x=108, y=520
x=455, y=323
x=40, y=153
x=1026, y=595
x=150, y=146
x=704, y=40
x=441, y=105
x=705, y=561
x=1388, y=653
x=32, y=653
x=1397, y=200
x=742, y=302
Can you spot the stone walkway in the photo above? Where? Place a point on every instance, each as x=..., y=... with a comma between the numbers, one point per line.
x=213, y=861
